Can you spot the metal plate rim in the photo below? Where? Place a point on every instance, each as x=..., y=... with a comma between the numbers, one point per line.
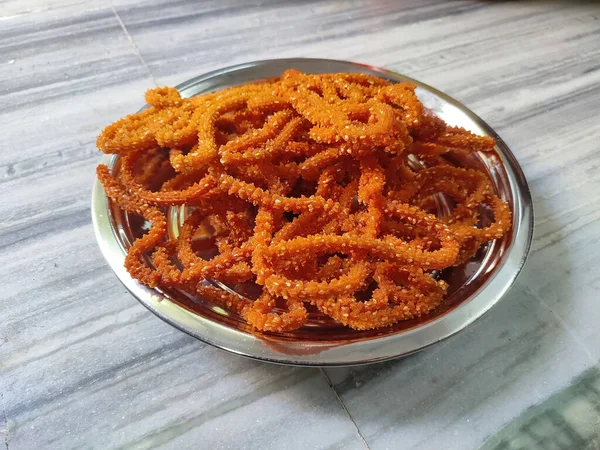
x=354, y=353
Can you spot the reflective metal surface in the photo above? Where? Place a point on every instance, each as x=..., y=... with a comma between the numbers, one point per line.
x=474, y=287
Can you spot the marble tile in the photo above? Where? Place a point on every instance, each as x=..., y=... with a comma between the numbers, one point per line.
x=144, y=385
x=545, y=332
x=10, y=9
x=63, y=52
x=82, y=364
x=566, y=420
x=416, y=38
x=460, y=392
x=182, y=39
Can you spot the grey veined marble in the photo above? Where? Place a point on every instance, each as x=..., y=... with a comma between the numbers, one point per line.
x=83, y=365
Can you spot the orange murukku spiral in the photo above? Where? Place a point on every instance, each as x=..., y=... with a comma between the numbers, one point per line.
x=306, y=187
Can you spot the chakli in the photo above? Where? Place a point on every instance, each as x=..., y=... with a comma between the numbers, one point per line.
x=305, y=187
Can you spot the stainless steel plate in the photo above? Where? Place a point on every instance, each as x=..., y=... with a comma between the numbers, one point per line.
x=474, y=287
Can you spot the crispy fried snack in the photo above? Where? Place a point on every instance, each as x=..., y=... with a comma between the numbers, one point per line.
x=302, y=186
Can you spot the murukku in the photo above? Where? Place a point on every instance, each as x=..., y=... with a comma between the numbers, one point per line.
x=319, y=190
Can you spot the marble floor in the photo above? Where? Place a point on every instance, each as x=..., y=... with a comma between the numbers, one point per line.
x=83, y=365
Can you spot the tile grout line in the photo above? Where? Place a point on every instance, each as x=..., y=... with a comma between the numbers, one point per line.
x=345, y=408
x=136, y=50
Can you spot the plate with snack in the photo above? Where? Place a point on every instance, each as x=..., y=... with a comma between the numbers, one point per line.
x=311, y=212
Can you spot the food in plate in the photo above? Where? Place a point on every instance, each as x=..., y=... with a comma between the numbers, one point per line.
x=303, y=192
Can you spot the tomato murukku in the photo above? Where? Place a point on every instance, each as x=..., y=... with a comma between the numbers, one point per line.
x=319, y=190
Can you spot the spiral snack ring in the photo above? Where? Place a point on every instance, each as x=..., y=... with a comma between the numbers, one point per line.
x=302, y=186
